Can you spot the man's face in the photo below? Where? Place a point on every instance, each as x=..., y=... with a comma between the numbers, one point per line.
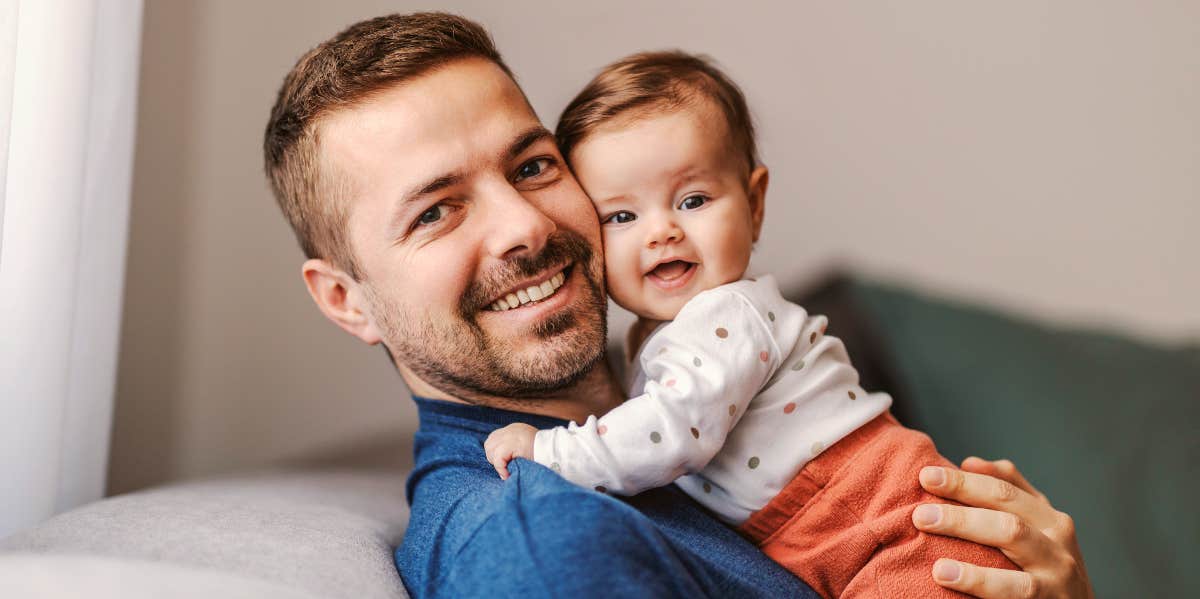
x=460, y=205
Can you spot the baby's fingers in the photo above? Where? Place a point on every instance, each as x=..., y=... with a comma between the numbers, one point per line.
x=498, y=456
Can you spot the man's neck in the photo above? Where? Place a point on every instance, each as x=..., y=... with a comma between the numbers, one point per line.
x=596, y=393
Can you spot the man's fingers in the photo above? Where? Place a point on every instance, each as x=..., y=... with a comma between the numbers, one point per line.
x=1002, y=469
x=1022, y=543
x=981, y=490
x=983, y=582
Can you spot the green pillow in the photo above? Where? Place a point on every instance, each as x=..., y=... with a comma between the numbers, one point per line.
x=1104, y=425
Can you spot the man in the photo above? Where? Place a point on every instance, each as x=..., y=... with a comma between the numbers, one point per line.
x=422, y=187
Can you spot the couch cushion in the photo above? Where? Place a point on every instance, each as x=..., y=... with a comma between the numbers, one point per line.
x=1104, y=425
x=321, y=534
x=63, y=576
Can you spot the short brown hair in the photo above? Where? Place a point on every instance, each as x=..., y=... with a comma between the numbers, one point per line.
x=650, y=81
x=361, y=60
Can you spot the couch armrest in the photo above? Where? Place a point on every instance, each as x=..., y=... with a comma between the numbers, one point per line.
x=327, y=533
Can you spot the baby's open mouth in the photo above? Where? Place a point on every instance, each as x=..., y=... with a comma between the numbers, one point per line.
x=670, y=271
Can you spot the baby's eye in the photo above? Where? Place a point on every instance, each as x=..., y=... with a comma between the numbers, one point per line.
x=693, y=202
x=619, y=218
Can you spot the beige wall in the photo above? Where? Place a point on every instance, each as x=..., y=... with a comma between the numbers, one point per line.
x=1043, y=157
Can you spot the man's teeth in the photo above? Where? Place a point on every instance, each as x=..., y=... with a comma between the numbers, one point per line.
x=529, y=294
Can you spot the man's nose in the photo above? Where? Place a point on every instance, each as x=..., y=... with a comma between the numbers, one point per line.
x=663, y=230
x=519, y=225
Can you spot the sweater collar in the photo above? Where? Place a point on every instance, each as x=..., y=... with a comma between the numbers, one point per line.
x=437, y=414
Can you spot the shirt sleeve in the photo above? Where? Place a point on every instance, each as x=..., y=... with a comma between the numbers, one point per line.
x=702, y=369
x=540, y=540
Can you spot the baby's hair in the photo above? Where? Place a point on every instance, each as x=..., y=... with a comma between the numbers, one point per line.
x=649, y=82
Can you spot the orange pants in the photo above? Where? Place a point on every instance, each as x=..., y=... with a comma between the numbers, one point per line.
x=844, y=524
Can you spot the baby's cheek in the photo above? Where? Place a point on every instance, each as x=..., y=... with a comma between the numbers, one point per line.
x=622, y=274
x=620, y=279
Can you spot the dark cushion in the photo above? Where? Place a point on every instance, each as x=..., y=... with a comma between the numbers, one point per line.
x=1105, y=425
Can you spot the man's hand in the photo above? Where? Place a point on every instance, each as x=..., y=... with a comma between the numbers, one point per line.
x=512, y=441
x=1011, y=515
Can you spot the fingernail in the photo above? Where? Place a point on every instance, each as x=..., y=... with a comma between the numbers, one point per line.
x=946, y=570
x=933, y=476
x=927, y=515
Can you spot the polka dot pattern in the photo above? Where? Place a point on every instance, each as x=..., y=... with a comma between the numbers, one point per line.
x=764, y=355
x=555, y=467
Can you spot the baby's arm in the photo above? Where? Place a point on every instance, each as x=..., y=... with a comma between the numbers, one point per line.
x=701, y=369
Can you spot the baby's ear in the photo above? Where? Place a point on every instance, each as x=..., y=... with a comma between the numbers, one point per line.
x=756, y=192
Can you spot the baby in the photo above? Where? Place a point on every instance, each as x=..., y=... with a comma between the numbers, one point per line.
x=738, y=396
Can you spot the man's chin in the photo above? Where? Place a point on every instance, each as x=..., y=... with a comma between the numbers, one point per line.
x=554, y=357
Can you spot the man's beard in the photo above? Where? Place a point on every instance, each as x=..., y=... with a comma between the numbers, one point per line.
x=457, y=356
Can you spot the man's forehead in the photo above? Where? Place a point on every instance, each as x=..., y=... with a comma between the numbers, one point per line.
x=455, y=110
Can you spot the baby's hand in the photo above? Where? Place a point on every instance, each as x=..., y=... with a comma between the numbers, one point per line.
x=512, y=441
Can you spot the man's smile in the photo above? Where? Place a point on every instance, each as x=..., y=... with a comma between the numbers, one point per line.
x=527, y=293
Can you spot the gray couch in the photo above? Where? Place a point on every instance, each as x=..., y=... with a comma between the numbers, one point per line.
x=304, y=533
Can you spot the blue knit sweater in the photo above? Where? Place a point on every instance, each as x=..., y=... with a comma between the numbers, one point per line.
x=537, y=535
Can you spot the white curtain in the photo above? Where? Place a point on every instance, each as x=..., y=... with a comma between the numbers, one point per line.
x=68, y=90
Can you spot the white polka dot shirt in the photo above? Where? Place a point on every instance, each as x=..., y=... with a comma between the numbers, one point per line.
x=732, y=398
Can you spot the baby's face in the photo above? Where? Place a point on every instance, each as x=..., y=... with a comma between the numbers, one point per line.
x=677, y=211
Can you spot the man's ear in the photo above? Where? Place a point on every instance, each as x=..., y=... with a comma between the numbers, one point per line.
x=340, y=298
x=757, y=194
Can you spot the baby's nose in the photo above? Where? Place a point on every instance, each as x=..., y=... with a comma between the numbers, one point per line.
x=665, y=233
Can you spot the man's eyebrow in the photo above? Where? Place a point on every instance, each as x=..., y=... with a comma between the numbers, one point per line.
x=433, y=186
x=527, y=138
x=419, y=191
x=519, y=144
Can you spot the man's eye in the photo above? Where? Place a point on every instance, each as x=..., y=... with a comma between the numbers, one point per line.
x=533, y=168
x=432, y=215
x=620, y=218
x=693, y=202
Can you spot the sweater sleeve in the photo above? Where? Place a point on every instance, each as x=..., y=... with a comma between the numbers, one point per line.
x=541, y=542
x=702, y=369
